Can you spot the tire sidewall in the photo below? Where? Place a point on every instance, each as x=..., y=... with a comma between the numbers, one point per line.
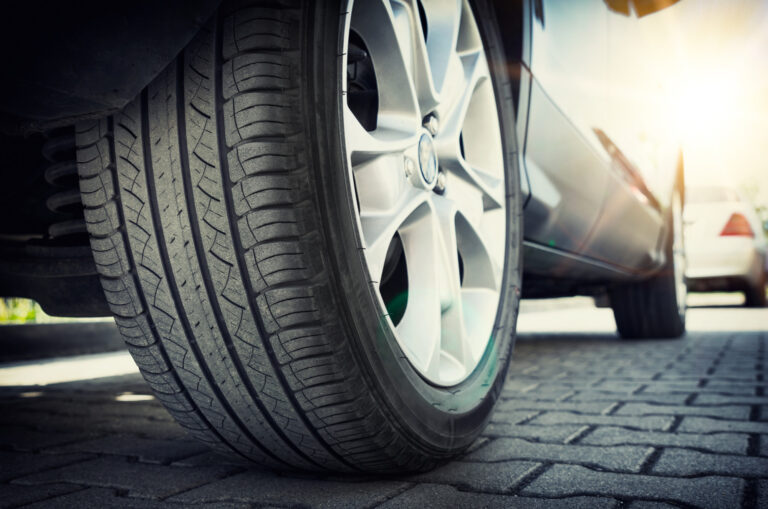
x=443, y=420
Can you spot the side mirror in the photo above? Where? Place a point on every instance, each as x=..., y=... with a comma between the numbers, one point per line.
x=642, y=7
x=646, y=7
x=618, y=6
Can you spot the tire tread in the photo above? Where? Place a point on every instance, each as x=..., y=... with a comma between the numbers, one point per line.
x=204, y=229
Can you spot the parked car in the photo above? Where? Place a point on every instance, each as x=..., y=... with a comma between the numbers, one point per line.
x=313, y=222
x=725, y=244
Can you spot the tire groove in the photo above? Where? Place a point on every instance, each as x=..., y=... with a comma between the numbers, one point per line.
x=173, y=288
x=142, y=300
x=240, y=261
x=205, y=270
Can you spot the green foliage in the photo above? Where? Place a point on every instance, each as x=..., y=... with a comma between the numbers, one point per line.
x=15, y=310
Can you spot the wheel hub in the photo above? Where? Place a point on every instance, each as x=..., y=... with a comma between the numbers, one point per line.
x=426, y=163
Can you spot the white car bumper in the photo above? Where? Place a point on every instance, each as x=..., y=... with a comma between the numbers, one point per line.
x=724, y=257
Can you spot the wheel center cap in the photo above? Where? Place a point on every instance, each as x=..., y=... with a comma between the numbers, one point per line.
x=427, y=159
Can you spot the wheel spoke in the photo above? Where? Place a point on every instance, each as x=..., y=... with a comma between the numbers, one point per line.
x=363, y=145
x=454, y=334
x=426, y=92
x=387, y=29
x=380, y=227
x=443, y=23
x=380, y=184
x=479, y=310
x=481, y=166
x=420, y=329
x=482, y=251
x=467, y=73
x=477, y=123
x=492, y=189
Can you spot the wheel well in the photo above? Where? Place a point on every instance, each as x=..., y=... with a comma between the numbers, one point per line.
x=44, y=250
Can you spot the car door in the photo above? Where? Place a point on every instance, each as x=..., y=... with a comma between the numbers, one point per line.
x=637, y=134
x=641, y=65
x=564, y=159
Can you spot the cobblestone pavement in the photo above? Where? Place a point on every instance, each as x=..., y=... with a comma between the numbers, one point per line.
x=586, y=420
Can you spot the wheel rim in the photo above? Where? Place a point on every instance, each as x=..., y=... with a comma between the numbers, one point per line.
x=678, y=255
x=425, y=156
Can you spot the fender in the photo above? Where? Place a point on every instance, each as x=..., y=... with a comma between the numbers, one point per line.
x=72, y=60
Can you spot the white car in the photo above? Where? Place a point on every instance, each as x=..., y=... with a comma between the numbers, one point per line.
x=725, y=244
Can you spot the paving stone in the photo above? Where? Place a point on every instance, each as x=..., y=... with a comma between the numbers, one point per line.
x=139, y=479
x=657, y=399
x=678, y=462
x=477, y=444
x=425, y=496
x=706, y=492
x=209, y=458
x=97, y=425
x=542, y=433
x=499, y=477
x=706, y=425
x=25, y=439
x=647, y=423
x=730, y=443
x=674, y=376
x=620, y=386
x=593, y=408
x=720, y=399
x=571, y=406
x=747, y=367
x=710, y=388
x=265, y=488
x=762, y=493
x=14, y=495
x=735, y=387
x=729, y=411
x=542, y=393
x=18, y=464
x=145, y=449
x=519, y=384
x=634, y=375
x=627, y=458
x=514, y=417
x=645, y=504
x=107, y=498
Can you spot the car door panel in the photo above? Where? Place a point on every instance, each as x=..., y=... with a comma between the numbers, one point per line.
x=567, y=178
x=587, y=197
x=566, y=169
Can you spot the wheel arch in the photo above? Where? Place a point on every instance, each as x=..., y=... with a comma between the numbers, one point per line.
x=112, y=52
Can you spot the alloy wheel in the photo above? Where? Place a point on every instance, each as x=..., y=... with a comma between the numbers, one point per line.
x=426, y=161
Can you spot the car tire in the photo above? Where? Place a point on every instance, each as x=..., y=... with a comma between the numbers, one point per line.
x=226, y=231
x=755, y=294
x=655, y=308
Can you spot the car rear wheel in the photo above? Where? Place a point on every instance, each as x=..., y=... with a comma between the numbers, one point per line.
x=308, y=229
x=655, y=308
x=755, y=296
